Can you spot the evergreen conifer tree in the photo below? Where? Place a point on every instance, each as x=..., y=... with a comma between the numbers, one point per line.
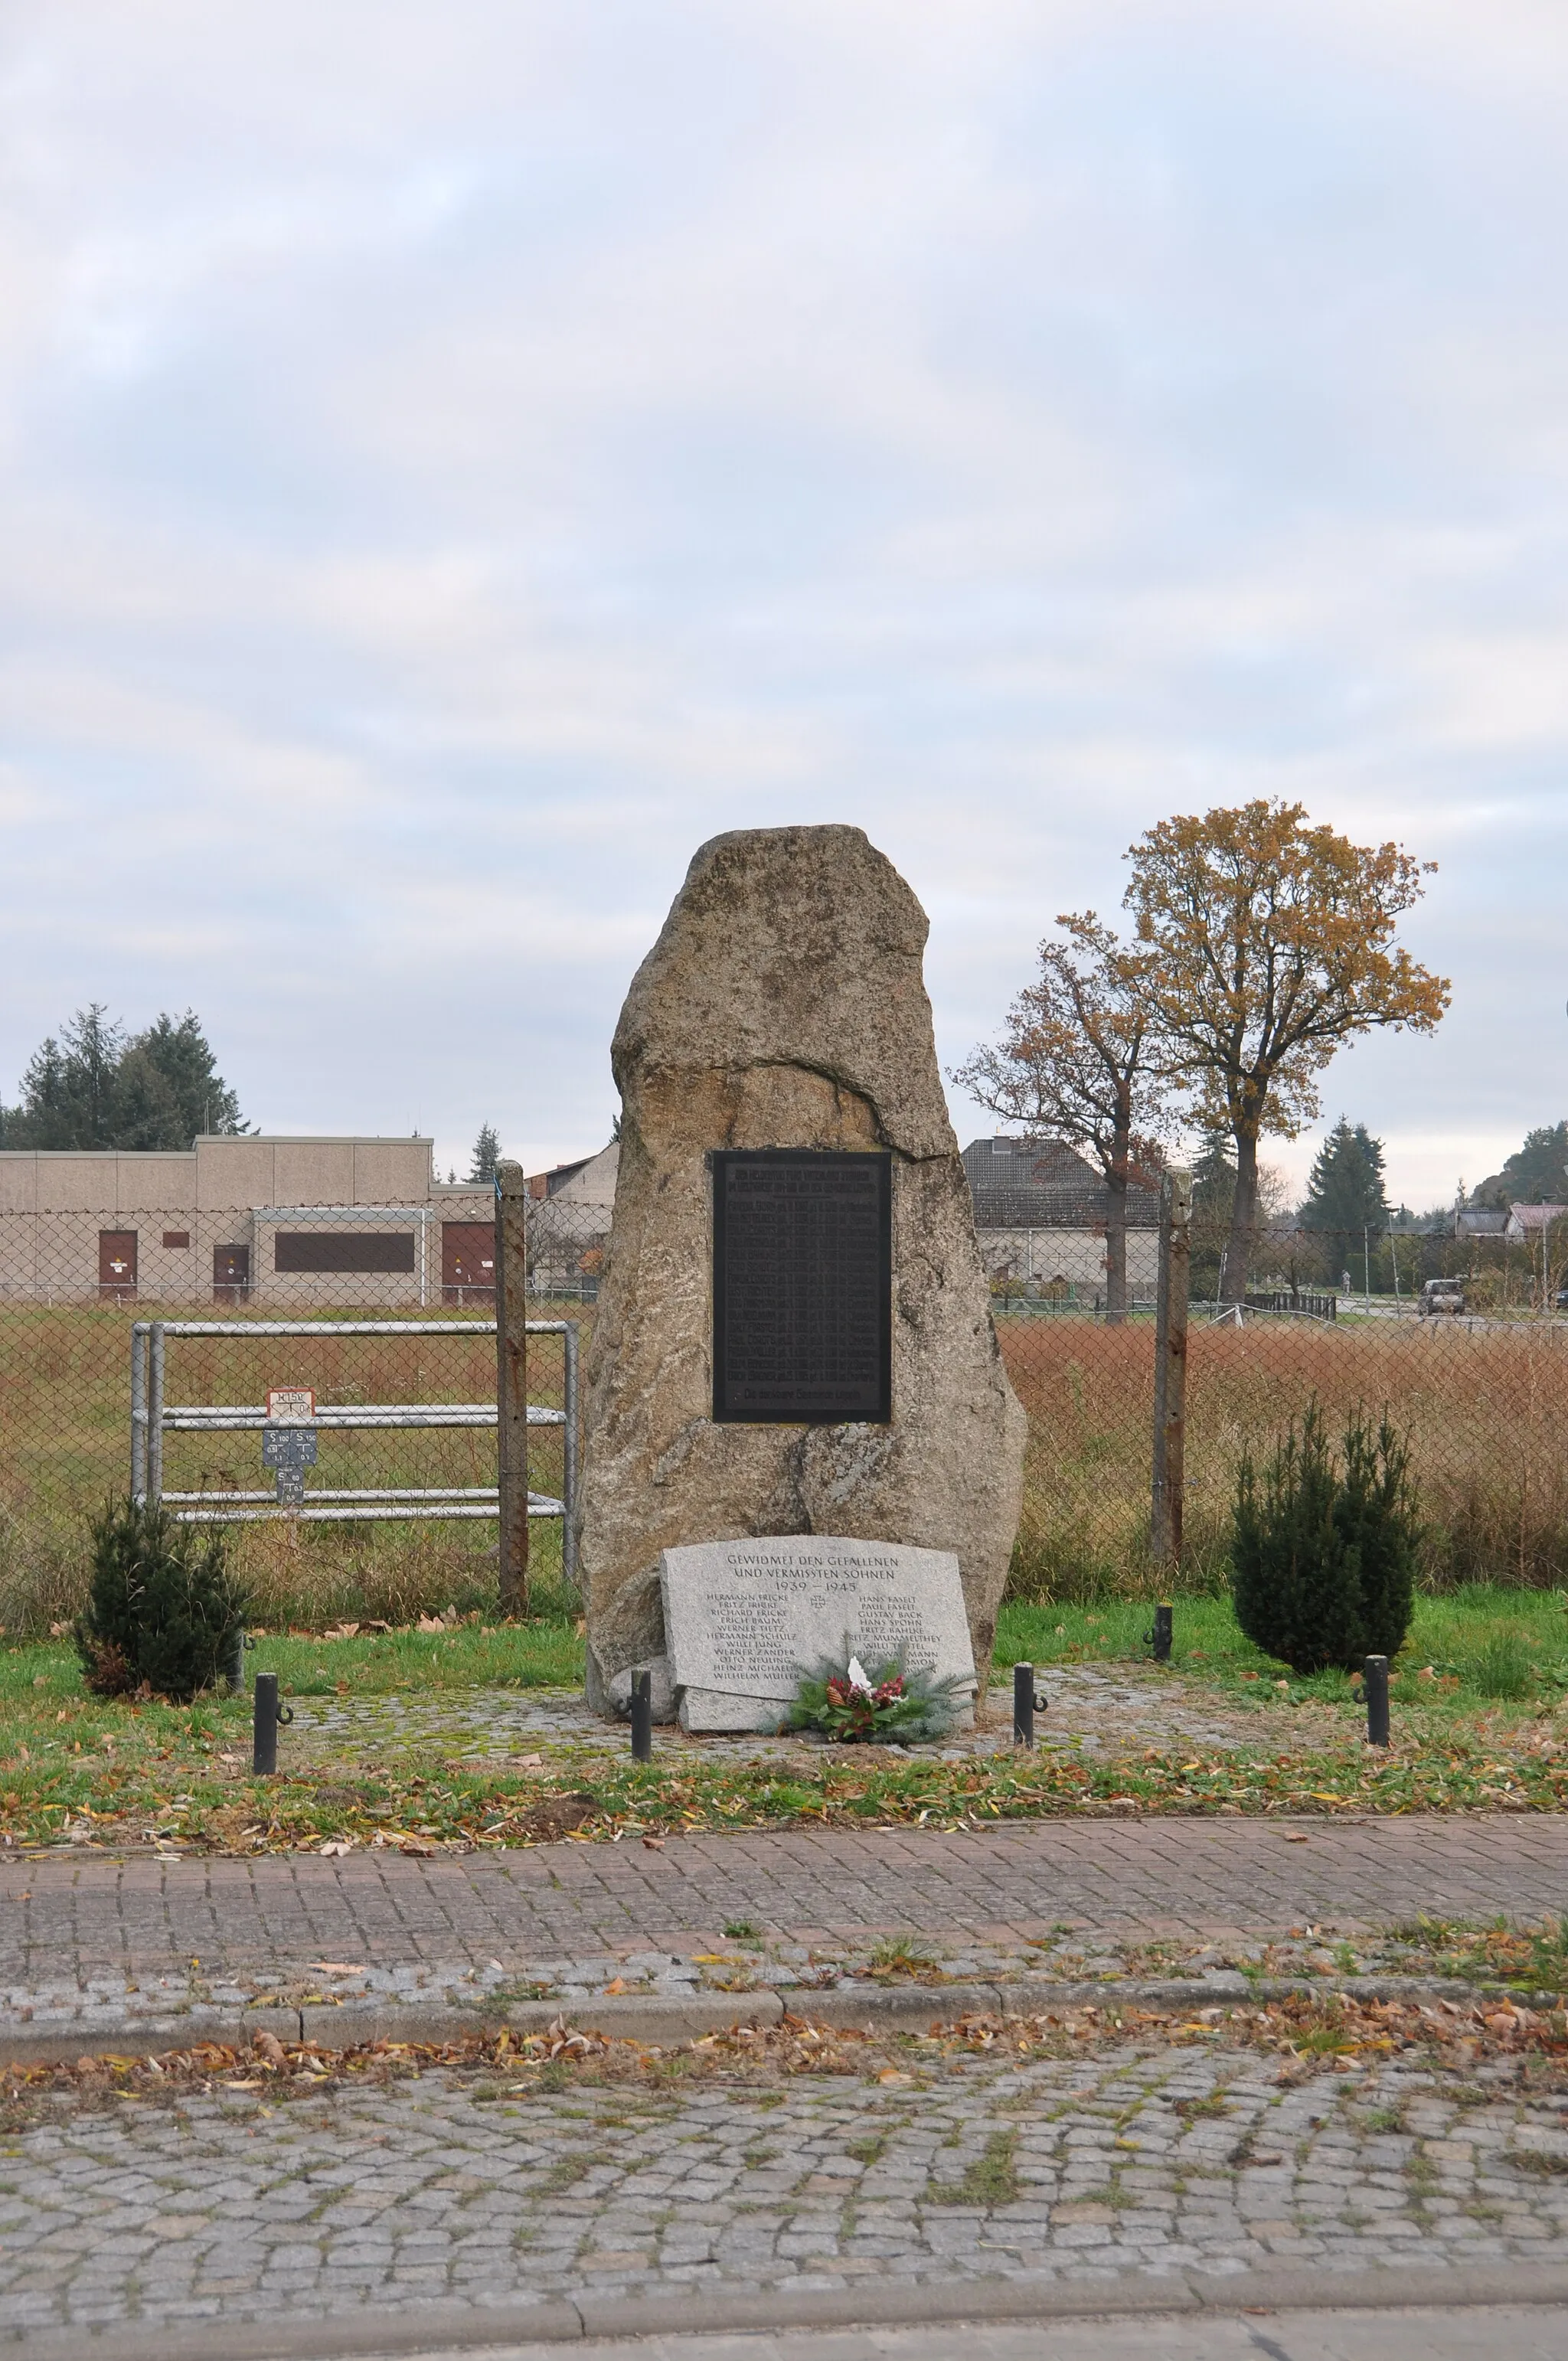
x=165, y=1608
x=1214, y=1192
x=177, y=1051
x=487, y=1154
x=1295, y=1595
x=1537, y=1173
x=1344, y=1189
x=94, y=1087
x=1377, y=1520
x=68, y=1090
x=1323, y=1566
x=1214, y=1176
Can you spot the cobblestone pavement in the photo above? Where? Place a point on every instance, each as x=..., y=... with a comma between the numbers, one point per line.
x=1137, y=2161
x=95, y=1940
x=1092, y=1707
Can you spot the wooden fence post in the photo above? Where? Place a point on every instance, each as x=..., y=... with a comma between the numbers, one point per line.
x=511, y=1384
x=1170, y=1368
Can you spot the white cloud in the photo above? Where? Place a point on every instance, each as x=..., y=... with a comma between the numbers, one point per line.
x=453, y=463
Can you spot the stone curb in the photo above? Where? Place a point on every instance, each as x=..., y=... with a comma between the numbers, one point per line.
x=446, y=2328
x=667, y=2017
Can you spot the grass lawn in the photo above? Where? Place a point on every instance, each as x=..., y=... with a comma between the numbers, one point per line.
x=1468, y=1650
x=1481, y=1699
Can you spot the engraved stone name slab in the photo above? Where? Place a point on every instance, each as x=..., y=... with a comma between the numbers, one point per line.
x=743, y=1620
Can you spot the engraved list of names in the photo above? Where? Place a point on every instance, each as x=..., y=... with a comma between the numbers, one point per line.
x=743, y=1620
x=801, y=1286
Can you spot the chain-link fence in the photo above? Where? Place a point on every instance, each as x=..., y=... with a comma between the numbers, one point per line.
x=1485, y=1403
x=382, y=1310
x=137, y=1355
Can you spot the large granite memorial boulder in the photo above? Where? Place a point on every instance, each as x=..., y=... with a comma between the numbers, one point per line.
x=783, y=1007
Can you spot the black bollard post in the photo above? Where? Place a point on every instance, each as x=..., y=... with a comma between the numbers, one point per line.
x=642, y=1716
x=264, y=1757
x=1159, y=1638
x=1023, y=1704
x=234, y=1671
x=1374, y=1682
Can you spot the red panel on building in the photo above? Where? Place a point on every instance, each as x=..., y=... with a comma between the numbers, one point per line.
x=231, y=1274
x=468, y=1262
x=116, y=1265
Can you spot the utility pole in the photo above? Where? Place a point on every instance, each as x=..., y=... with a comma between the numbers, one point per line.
x=1545, y=1264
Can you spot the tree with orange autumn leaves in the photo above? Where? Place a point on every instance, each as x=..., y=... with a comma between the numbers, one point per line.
x=1260, y=944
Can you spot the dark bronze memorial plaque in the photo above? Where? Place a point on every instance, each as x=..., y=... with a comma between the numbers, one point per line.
x=801, y=1286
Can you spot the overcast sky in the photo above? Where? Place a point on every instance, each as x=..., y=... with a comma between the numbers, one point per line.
x=455, y=459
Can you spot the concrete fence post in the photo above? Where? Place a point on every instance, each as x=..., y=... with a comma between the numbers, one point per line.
x=511, y=1384
x=1171, y=1368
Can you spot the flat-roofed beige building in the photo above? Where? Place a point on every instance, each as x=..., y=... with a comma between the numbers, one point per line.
x=250, y=1219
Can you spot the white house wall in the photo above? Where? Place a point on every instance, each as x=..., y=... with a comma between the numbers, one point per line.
x=1074, y=1256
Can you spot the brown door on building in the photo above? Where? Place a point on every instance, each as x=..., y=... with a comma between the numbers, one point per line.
x=468, y=1262
x=231, y=1273
x=116, y=1265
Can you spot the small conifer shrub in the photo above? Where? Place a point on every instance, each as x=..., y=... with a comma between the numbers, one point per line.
x=1323, y=1555
x=1378, y=1518
x=165, y=1609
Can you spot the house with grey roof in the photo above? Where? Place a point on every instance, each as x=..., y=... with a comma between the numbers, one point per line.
x=1040, y=1210
x=1525, y=1223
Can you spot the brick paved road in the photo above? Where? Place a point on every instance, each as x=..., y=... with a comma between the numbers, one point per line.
x=85, y=1918
x=1143, y=2163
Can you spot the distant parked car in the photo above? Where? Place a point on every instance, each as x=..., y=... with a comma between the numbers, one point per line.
x=1442, y=1295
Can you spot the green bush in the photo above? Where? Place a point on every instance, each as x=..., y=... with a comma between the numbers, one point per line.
x=165, y=1609
x=1323, y=1562
x=1376, y=1518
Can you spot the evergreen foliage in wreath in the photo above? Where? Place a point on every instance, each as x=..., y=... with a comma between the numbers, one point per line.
x=886, y=1706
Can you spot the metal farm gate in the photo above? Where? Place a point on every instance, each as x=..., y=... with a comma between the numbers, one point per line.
x=153, y=1418
x=413, y=1474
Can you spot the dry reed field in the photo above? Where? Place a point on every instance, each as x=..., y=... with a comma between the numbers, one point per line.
x=1487, y=1410
x=65, y=1448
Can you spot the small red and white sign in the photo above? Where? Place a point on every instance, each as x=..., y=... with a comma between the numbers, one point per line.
x=291, y=1405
